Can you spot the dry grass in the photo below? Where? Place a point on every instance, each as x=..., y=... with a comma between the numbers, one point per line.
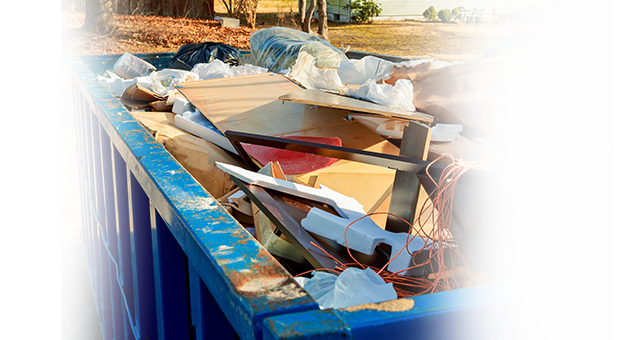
x=423, y=39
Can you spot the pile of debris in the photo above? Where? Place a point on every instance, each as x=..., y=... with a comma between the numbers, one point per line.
x=344, y=169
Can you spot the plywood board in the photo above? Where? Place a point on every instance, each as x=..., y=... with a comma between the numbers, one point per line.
x=325, y=99
x=250, y=104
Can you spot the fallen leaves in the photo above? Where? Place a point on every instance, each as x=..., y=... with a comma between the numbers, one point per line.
x=138, y=33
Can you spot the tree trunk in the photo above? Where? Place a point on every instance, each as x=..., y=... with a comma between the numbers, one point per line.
x=250, y=7
x=210, y=4
x=308, y=17
x=323, y=19
x=99, y=16
x=302, y=11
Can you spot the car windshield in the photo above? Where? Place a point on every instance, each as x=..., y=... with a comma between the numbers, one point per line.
x=512, y=45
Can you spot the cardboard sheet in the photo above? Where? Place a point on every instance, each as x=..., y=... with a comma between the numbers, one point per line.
x=195, y=154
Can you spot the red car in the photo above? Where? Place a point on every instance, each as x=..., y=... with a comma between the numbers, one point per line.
x=572, y=48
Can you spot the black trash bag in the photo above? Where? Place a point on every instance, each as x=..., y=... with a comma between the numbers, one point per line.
x=536, y=124
x=192, y=54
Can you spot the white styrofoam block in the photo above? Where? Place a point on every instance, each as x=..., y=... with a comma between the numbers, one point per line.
x=230, y=22
x=614, y=155
x=362, y=236
x=117, y=85
x=205, y=133
x=238, y=194
x=144, y=82
x=181, y=105
x=445, y=132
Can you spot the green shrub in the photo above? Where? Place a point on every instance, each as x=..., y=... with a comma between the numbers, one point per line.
x=445, y=15
x=365, y=10
x=456, y=14
x=430, y=14
x=557, y=11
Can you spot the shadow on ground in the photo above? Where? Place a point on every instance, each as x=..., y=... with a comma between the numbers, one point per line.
x=79, y=320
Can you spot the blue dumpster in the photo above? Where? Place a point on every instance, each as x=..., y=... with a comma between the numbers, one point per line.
x=166, y=261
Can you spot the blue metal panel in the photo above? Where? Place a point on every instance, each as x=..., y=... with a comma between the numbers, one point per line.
x=582, y=304
x=246, y=282
x=122, y=231
x=170, y=266
x=116, y=304
x=142, y=260
x=207, y=320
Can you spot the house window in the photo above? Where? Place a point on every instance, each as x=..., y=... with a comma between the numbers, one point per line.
x=570, y=59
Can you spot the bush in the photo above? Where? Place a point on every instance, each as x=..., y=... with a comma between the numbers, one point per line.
x=365, y=10
x=557, y=11
x=456, y=14
x=445, y=15
x=430, y=14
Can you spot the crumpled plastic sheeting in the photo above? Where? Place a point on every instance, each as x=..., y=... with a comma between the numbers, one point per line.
x=129, y=66
x=277, y=48
x=352, y=287
x=435, y=63
x=311, y=77
x=219, y=69
x=535, y=172
x=163, y=82
x=399, y=96
x=358, y=71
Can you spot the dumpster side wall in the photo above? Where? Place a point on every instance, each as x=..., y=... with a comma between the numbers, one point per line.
x=164, y=258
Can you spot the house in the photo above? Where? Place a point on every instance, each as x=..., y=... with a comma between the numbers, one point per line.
x=338, y=10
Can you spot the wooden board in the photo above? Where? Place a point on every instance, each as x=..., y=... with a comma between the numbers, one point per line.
x=372, y=190
x=325, y=99
x=250, y=104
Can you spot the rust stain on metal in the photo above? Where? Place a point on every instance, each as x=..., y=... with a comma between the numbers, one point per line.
x=267, y=279
x=400, y=305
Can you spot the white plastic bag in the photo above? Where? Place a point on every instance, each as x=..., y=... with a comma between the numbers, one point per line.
x=219, y=69
x=352, y=287
x=357, y=72
x=247, y=69
x=399, y=96
x=215, y=69
x=435, y=63
x=311, y=77
x=163, y=82
x=129, y=66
